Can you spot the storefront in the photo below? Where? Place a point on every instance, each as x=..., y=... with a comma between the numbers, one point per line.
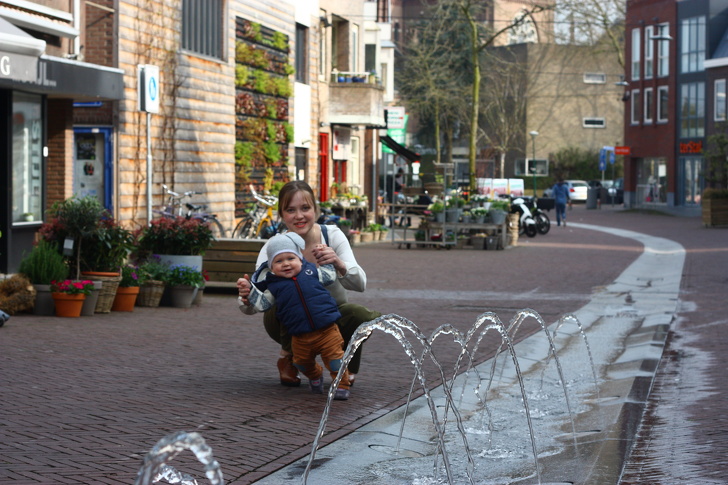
x=37, y=93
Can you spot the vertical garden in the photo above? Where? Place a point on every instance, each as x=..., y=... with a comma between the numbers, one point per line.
x=263, y=88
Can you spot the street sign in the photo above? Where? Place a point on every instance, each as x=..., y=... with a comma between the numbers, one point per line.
x=396, y=118
x=602, y=159
x=148, y=80
x=621, y=150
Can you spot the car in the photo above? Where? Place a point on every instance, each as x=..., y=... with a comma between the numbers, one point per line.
x=577, y=190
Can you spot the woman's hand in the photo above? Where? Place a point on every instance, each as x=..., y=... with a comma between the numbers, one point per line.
x=243, y=285
x=326, y=255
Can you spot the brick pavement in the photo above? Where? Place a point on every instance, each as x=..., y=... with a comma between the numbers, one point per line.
x=84, y=399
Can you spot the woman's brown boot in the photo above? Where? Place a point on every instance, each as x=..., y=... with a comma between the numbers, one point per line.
x=289, y=373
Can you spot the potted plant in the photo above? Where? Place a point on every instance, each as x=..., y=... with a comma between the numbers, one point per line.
x=152, y=274
x=498, y=211
x=454, y=208
x=128, y=290
x=41, y=266
x=438, y=210
x=177, y=241
x=73, y=219
x=182, y=284
x=344, y=225
x=478, y=214
x=68, y=296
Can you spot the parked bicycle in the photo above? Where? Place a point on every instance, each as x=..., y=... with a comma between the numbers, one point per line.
x=262, y=221
x=174, y=209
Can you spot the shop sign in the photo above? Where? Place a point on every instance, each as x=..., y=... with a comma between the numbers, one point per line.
x=18, y=67
x=691, y=147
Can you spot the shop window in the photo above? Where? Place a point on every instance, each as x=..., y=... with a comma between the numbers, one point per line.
x=27, y=158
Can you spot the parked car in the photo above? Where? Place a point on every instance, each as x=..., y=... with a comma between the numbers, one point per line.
x=577, y=190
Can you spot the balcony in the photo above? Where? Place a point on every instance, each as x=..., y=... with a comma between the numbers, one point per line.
x=356, y=99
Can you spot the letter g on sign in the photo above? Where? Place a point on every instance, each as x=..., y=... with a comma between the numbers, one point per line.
x=5, y=65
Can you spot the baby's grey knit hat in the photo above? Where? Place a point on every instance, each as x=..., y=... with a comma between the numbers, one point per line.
x=288, y=242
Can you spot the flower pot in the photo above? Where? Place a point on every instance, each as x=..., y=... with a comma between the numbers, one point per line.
x=108, y=289
x=367, y=237
x=440, y=217
x=383, y=235
x=68, y=305
x=181, y=296
x=497, y=216
x=92, y=299
x=125, y=299
x=44, y=305
x=198, y=296
x=150, y=293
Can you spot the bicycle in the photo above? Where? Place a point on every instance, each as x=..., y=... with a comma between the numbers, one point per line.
x=173, y=210
x=262, y=222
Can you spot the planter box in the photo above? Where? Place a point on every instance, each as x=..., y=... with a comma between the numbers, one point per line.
x=228, y=259
x=715, y=212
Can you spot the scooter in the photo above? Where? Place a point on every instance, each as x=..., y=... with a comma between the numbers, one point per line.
x=526, y=222
x=543, y=223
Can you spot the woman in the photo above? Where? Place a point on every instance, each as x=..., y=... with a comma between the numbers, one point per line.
x=298, y=209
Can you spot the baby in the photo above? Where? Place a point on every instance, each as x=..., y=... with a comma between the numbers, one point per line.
x=305, y=306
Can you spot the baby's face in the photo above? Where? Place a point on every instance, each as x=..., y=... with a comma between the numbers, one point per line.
x=286, y=265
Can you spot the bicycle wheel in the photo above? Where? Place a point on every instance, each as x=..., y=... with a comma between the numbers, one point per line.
x=543, y=224
x=217, y=230
x=244, y=229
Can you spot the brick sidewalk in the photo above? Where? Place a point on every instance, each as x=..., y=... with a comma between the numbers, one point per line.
x=84, y=399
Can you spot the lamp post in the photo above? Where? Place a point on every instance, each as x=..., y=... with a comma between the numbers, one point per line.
x=532, y=167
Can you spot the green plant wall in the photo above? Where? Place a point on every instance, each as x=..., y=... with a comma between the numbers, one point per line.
x=263, y=88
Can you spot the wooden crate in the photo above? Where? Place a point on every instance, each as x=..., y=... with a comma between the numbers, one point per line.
x=715, y=212
x=229, y=259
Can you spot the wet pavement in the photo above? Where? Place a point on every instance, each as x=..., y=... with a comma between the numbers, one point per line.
x=84, y=399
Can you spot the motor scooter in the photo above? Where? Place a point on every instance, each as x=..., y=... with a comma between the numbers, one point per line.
x=543, y=223
x=526, y=222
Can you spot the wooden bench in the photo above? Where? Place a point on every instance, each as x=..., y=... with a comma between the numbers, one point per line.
x=228, y=259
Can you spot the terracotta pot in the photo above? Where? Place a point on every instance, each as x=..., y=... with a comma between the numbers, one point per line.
x=68, y=305
x=125, y=299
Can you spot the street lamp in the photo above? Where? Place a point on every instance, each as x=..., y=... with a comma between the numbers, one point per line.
x=532, y=167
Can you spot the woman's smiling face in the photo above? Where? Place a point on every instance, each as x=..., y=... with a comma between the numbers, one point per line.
x=300, y=215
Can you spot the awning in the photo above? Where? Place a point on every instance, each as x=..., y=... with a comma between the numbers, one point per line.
x=399, y=149
x=14, y=40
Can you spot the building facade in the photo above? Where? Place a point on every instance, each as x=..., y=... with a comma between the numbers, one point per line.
x=675, y=97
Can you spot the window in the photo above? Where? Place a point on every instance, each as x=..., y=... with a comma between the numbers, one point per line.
x=648, y=105
x=636, y=49
x=719, y=106
x=27, y=152
x=649, y=51
x=595, y=78
x=636, y=107
x=692, y=110
x=323, y=69
x=370, y=57
x=692, y=44
x=662, y=104
x=663, y=51
x=593, y=123
x=301, y=54
x=202, y=27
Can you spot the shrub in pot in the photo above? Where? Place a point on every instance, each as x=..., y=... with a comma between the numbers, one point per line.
x=41, y=266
